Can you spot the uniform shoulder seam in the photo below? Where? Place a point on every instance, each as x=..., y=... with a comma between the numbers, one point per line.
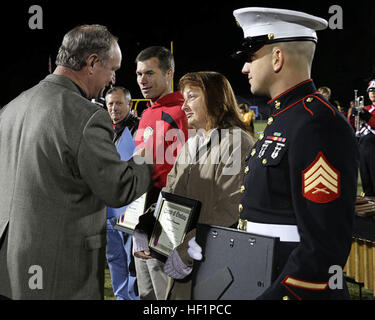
x=326, y=104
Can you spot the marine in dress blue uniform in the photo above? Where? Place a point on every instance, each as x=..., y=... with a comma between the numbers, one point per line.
x=301, y=175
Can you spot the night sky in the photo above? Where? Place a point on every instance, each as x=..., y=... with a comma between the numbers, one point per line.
x=204, y=34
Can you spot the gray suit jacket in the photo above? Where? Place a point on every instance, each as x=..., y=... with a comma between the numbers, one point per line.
x=59, y=169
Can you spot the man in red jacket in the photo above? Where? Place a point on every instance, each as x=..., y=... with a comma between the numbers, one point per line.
x=163, y=131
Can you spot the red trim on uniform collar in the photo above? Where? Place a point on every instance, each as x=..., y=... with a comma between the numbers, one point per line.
x=287, y=108
x=307, y=109
x=296, y=86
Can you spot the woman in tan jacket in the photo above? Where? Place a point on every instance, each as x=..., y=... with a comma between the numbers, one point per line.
x=210, y=167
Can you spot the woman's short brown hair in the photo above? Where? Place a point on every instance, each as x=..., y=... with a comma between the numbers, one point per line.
x=221, y=104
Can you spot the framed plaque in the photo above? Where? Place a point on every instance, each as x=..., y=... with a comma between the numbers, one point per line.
x=175, y=216
x=129, y=218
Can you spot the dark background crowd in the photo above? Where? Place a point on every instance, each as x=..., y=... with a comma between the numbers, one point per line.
x=204, y=35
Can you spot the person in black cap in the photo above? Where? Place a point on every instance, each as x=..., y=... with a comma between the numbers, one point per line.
x=301, y=175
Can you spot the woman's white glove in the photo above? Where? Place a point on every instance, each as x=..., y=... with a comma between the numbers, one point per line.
x=194, y=250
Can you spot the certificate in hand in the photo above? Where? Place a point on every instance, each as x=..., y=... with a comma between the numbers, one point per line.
x=175, y=216
x=130, y=217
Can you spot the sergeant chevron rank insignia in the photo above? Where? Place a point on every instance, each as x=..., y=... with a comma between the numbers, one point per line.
x=321, y=181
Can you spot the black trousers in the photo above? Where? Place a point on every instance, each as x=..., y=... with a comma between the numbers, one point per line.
x=367, y=163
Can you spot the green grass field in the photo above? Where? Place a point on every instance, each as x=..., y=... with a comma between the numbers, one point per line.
x=108, y=292
x=259, y=127
x=353, y=288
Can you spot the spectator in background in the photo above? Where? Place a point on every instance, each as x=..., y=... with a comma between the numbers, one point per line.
x=248, y=117
x=119, y=245
x=119, y=104
x=325, y=92
x=350, y=110
x=337, y=104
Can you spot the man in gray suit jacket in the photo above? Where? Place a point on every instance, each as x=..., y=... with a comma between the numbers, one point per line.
x=59, y=169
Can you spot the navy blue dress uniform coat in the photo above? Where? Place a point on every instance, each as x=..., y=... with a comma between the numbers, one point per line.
x=303, y=172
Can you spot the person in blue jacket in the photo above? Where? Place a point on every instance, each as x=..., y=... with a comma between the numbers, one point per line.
x=119, y=245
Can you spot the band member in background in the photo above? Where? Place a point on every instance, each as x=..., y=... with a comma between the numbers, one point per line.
x=366, y=141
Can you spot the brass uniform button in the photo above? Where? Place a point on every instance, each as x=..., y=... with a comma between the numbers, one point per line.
x=286, y=298
x=309, y=99
x=247, y=169
x=243, y=189
x=277, y=105
x=242, y=224
x=270, y=121
x=240, y=208
x=264, y=162
x=261, y=136
x=271, y=36
x=253, y=152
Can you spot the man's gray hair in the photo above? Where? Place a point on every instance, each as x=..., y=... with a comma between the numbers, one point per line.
x=125, y=91
x=82, y=41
